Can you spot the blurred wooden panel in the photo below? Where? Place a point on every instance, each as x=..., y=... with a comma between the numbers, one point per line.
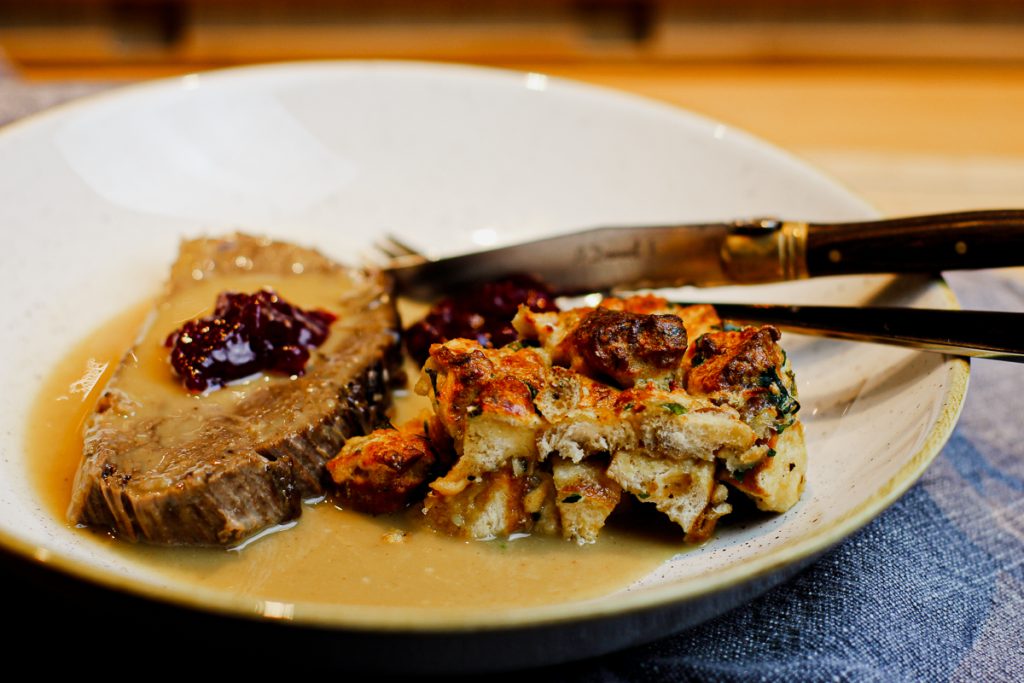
x=861, y=41
x=45, y=34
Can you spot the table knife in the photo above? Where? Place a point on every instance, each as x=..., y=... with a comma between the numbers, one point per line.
x=740, y=252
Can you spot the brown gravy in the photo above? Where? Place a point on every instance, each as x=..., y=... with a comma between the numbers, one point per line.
x=333, y=555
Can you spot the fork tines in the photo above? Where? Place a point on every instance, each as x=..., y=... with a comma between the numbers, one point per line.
x=391, y=252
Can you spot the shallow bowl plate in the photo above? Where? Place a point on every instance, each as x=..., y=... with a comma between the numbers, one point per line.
x=97, y=195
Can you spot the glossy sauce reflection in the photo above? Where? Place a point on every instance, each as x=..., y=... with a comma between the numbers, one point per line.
x=333, y=555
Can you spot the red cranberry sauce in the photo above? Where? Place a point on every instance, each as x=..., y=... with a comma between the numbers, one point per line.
x=246, y=334
x=483, y=312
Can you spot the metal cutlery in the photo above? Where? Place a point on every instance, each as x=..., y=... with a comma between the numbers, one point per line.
x=771, y=250
x=743, y=252
x=979, y=334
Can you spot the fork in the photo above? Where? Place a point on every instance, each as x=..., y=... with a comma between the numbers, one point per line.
x=395, y=253
x=979, y=334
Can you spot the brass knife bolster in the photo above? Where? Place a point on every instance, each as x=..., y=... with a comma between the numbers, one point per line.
x=765, y=250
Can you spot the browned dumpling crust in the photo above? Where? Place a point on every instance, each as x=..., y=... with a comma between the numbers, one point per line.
x=386, y=470
x=624, y=347
x=636, y=397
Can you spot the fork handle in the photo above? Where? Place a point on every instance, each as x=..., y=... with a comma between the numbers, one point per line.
x=927, y=244
x=981, y=334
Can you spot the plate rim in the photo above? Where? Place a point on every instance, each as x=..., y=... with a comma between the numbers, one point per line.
x=410, y=619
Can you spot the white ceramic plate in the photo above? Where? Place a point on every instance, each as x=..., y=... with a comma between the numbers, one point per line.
x=96, y=196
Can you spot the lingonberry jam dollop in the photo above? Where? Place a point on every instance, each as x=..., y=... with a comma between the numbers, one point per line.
x=484, y=313
x=247, y=333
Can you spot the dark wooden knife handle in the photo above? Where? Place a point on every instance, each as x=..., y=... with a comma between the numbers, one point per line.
x=949, y=241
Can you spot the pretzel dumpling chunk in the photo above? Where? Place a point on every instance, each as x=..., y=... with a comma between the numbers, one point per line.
x=584, y=418
x=485, y=400
x=731, y=360
x=638, y=395
x=685, y=490
x=676, y=425
x=748, y=370
x=625, y=347
x=776, y=482
x=641, y=337
x=585, y=496
x=498, y=505
x=384, y=471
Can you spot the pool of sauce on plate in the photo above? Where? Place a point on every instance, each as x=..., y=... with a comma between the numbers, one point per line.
x=332, y=555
